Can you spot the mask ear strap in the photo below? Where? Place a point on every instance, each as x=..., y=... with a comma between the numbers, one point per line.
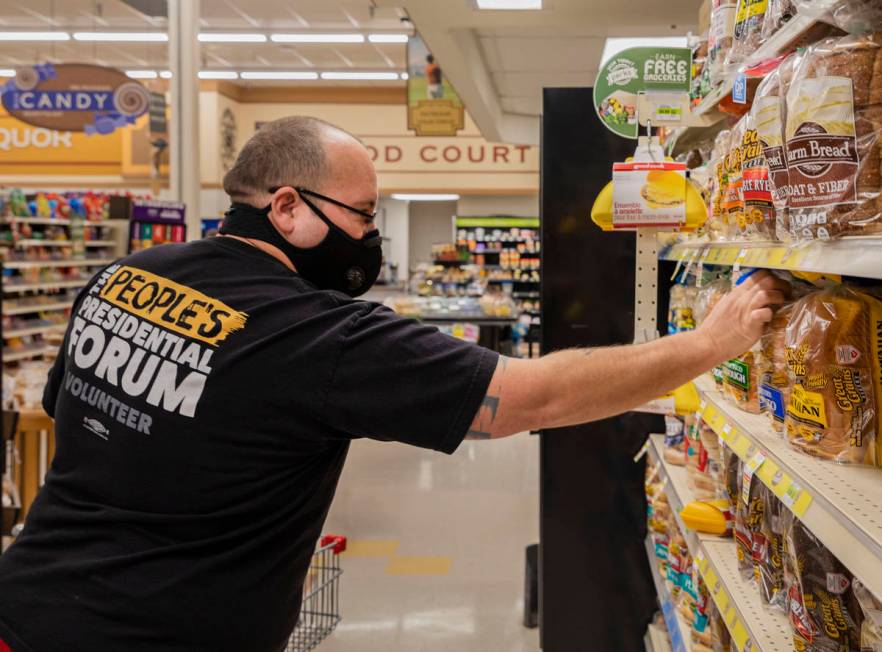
x=324, y=218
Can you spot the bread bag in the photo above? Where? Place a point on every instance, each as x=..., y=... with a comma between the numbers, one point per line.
x=833, y=342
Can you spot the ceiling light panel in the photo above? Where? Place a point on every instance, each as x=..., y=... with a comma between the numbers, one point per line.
x=218, y=74
x=518, y=5
x=346, y=75
x=142, y=74
x=34, y=36
x=122, y=37
x=424, y=197
x=388, y=38
x=231, y=37
x=270, y=74
x=310, y=37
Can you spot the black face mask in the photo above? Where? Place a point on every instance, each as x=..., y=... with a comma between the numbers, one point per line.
x=339, y=262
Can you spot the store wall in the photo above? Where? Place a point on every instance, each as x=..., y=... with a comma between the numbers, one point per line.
x=517, y=205
x=430, y=223
x=395, y=225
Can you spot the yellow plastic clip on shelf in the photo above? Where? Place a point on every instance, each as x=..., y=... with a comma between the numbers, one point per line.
x=706, y=516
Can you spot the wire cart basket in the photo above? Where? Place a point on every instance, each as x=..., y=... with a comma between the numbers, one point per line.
x=320, y=611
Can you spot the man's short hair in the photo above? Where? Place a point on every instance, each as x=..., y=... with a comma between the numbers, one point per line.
x=284, y=152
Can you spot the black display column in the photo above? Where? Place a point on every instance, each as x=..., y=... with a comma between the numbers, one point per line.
x=596, y=593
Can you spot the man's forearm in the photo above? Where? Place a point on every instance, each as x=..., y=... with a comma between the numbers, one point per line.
x=620, y=377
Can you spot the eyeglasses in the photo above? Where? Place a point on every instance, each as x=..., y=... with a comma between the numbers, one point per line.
x=304, y=191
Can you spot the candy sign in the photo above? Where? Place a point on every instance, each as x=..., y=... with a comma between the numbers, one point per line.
x=74, y=97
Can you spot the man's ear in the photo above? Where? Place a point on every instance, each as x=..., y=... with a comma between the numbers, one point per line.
x=284, y=203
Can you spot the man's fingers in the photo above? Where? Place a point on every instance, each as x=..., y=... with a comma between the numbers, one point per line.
x=767, y=298
x=762, y=315
x=756, y=278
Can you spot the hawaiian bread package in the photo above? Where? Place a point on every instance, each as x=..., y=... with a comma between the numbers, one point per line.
x=833, y=124
x=834, y=354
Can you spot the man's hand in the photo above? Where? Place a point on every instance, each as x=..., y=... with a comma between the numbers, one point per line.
x=737, y=321
x=579, y=385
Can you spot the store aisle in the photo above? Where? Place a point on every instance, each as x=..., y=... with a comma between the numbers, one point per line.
x=436, y=559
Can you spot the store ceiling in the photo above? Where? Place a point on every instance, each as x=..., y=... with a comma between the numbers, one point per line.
x=216, y=15
x=499, y=61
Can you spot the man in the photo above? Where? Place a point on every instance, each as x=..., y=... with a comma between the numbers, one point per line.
x=206, y=394
x=434, y=85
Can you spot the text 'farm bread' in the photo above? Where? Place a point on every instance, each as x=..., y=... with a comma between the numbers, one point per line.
x=834, y=354
x=832, y=139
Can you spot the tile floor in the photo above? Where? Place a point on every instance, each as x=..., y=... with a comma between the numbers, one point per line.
x=436, y=561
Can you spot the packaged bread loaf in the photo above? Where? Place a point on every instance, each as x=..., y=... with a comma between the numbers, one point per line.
x=778, y=13
x=824, y=616
x=748, y=518
x=834, y=355
x=756, y=188
x=733, y=200
x=774, y=390
x=715, y=225
x=833, y=123
x=768, y=551
x=720, y=36
x=747, y=33
x=708, y=297
x=871, y=627
x=741, y=381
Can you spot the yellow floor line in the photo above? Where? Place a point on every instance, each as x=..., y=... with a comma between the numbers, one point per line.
x=419, y=566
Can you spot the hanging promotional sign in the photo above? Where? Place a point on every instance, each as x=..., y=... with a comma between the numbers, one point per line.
x=649, y=194
x=433, y=107
x=74, y=97
x=634, y=71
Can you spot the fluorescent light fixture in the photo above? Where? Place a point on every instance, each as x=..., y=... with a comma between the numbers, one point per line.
x=518, y=5
x=310, y=37
x=166, y=74
x=388, y=38
x=130, y=37
x=232, y=37
x=424, y=197
x=614, y=45
x=278, y=75
x=7, y=72
x=405, y=76
x=360, y=75
x=218, y=74
x=34, y=36
x=142, y=74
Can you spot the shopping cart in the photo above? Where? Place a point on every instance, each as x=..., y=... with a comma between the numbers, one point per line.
x=320, y=611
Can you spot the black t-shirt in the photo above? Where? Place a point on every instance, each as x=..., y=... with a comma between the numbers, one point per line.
x=204, y=402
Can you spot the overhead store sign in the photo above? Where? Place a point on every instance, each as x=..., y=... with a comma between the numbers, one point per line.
x=634, y=71
x=433, y=107
x=74, y=97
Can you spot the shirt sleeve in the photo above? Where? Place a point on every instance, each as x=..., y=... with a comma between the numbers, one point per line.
x=399, y=380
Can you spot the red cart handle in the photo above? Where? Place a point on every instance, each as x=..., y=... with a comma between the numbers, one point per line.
x=338, y=541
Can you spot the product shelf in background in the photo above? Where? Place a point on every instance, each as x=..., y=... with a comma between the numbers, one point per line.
x=752, y=625
x=34, y=330
x=61, y=221
x=81, y=262
x=851, y=256
x=838, y=503
x=791, y=33
x=17, y=308
x=63, y=243
x=678, y=628
x=49, y=285
x=658, y=639
x=10, y=355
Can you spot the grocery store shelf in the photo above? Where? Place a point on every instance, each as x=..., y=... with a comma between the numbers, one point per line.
x=838, y=503
x=752, y=625
x=64, y=243
x=678, y=628
x=16, y=308
x=31, y=264
x=30, y=352
x=785, y=39
x=34, y=330
x=853, y=256
x=51, y=221
x=52, y=285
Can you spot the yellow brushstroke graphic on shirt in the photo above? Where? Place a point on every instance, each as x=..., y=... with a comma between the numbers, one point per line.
x=172, y=306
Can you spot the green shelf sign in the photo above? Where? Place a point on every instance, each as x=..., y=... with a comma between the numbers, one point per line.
x=501, y=222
